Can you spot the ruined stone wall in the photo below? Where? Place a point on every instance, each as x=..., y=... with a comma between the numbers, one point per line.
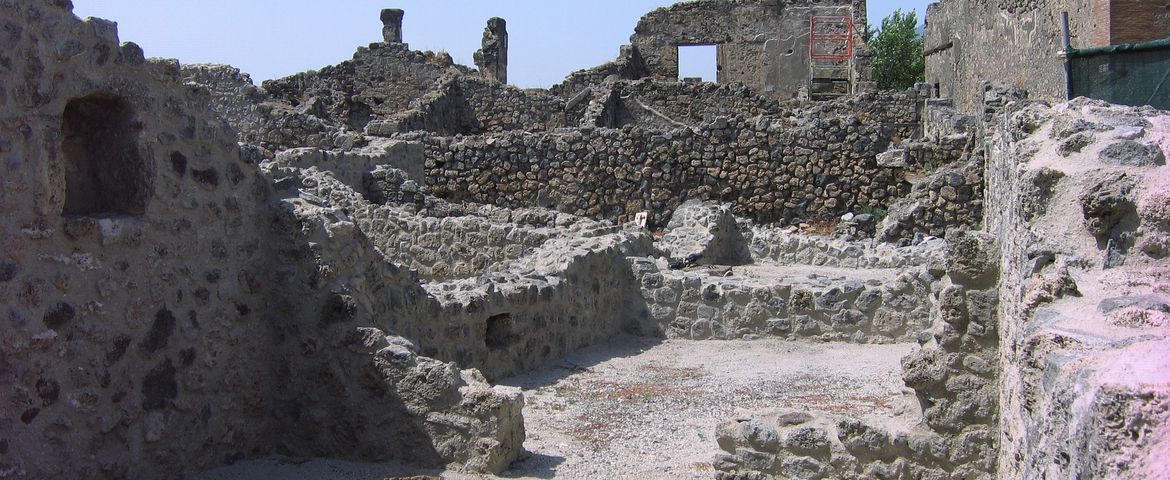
x=379, y=81
x=166, y=310
x=1084, y=290
x=258, y=120
x=628, y=66
x=773, y=170
x=761, y=43
x=133, y=337
x=672, y=104
x=569, y=292
x=347, y=386
x=953, y=377
x=784, y=247
x=697, y=305
x=971, y=42
x=461, y=104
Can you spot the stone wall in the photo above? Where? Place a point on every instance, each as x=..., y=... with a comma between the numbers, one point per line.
x=570, y=291
x=674, y=104
x=953, y=377
x=379, y=81
x=785, y=247
x=131, y=279
x=1084, y=289
x=971, y=42
x=461, y=104
x=947, y=191
x=773, y=170
x=761, y=43
x=258, y=120
x=167, y=310
x=874, y=307
x=627, y=66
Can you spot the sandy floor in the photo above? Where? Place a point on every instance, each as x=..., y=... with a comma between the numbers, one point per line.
x=643, y=408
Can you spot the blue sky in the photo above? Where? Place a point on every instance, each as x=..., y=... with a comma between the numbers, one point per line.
x=270, y=39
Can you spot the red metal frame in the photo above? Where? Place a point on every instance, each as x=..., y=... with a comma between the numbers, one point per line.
x=815, y=37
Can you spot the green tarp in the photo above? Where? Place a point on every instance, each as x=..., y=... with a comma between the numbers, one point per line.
x=1136, y=74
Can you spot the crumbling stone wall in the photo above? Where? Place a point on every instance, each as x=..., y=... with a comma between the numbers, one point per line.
x=953, y=377
x=673, y=104
x=460, y=104
x=1084, y=293
x=380, y=80
x=492, y=58
x=166, y=310
x=947, y=192
x=784, y=247
x=132, y=278
x=627, y=66
x=570, y=292
x=774, y=170
x=761, y=43
x=700, y=305
x=258, y=120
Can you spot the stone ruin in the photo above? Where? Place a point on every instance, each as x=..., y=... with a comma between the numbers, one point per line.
x=199, y=271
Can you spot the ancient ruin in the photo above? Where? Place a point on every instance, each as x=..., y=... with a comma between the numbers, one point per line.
x=400, y=266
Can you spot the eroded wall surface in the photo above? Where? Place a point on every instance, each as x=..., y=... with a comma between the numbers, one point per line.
x=1076, y=193
x=133, y=278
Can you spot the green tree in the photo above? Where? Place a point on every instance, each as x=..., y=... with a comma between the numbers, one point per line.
x=897, y=52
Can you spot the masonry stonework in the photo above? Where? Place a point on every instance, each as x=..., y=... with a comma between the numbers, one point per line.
x=351, y=263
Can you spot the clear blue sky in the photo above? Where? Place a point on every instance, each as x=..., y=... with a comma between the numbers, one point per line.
x=548, y=39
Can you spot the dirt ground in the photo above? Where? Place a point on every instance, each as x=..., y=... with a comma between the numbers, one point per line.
x=647, y=409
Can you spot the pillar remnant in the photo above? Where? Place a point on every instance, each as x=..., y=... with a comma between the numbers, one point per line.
x=492, y=59
x=392, y=25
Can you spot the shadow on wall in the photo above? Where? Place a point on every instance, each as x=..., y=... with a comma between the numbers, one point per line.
x=106, y=174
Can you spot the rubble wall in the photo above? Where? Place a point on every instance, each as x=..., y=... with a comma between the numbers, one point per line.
x=461, y=104
x=258, y=119
x=773, y=170
x=132, y=279
x=1084, y=289
x=700, y=306
x=671, y=104
x=378, y=81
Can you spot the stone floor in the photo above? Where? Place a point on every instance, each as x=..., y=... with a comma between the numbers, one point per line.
x=644, y=408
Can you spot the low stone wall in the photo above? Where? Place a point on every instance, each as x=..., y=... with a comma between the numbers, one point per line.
x=784, y=247
x=953, y=376
x=878, y=307
x=772, y=170
x=571, y=291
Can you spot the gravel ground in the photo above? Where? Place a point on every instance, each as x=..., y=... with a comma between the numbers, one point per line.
x=647, y=409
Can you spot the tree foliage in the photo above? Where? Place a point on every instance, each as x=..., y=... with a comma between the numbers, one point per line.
x=897, y=52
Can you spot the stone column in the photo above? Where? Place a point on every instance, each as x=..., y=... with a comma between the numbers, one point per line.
x=392, y=25
x=492, y=59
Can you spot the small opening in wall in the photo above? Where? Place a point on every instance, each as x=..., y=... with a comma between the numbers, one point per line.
x=105, y=173
x=499, y=331
x=698, y=61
